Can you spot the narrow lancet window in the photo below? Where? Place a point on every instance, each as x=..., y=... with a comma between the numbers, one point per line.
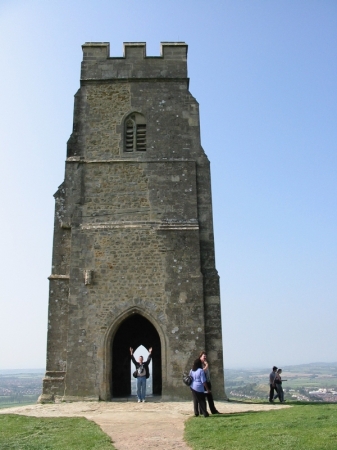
x=135, y=133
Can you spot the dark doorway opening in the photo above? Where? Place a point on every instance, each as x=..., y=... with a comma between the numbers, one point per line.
x=133, y=332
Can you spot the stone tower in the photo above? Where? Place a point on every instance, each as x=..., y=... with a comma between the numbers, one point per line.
x=133, y=254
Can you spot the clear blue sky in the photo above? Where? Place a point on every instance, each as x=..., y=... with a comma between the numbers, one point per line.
x=265, y=75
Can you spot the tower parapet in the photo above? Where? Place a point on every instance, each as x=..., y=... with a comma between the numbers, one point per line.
x=97, y=63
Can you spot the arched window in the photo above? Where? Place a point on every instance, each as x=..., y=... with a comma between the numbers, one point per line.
x=135, y=133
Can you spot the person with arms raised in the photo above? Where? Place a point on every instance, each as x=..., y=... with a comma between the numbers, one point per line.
x=142, y=371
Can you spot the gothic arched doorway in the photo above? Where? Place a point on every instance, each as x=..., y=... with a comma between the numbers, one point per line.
x=133, y=332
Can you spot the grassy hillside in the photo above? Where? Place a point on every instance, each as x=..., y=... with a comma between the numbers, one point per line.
x=36, y=433
x=305, y=426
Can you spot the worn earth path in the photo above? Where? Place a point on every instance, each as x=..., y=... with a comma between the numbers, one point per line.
x=156, y=424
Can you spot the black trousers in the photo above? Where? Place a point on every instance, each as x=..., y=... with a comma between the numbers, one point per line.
x=271, y=392
x=199, y=403
x=210, y=400
x=279, y=390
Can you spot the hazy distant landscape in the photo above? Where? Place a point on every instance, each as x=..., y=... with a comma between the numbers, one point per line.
x=20, y=386
x=315, y=382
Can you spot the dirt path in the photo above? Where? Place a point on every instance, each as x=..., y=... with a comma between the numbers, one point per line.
x=158, y=425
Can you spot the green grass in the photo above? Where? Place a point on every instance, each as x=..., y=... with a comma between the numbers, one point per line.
x=61, y=433
x=13, y=404
x=304, y=426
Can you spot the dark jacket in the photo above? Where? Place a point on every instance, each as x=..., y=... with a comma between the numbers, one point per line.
x=145, y=364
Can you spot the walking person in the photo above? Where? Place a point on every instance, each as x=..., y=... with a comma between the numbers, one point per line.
x=198, y=387
x=272, y=384
x=142, y=369
x=278, y=386
x=209, y=396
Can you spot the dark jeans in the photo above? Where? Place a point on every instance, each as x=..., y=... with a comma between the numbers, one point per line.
x=271, y=392
x=199, y=403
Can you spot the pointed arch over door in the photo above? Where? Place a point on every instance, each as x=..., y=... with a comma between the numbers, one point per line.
x=134, y=331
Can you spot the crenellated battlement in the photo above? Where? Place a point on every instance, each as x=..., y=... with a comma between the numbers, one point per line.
x=98, y=64
x=94, y=51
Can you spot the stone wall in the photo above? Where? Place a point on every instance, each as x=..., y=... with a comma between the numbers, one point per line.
x=133, y=230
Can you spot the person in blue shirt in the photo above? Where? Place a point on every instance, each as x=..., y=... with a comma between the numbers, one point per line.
x=198, y=387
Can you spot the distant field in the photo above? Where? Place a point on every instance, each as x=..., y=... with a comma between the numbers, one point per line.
x=301, y=381
x=11, y=405
x=18, y=388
